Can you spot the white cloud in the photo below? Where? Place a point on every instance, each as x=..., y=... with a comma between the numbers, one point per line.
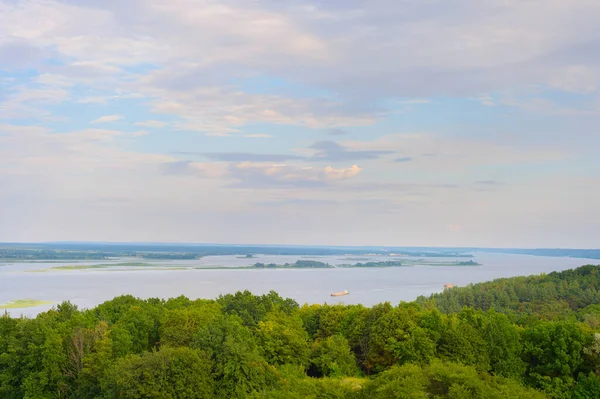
x=27, y=101
x=356, y=51
x=152, y=124
x=258, y=136
x=107, y=119
x=222, y=110
x=341, y=174
x=261, y=175
x=106, y=99
x=53, y=80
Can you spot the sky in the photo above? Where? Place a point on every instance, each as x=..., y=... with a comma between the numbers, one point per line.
x=379, y=122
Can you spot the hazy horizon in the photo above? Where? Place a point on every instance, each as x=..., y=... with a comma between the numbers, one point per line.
x=448, y=124
x=271, y=245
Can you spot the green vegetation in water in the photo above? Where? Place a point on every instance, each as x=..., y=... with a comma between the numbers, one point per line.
x=137, y=265
x=390, y=263
x=299, y=264
x=76, y=267
x=468, y=263
x=64, y=268
x=168, y=256
x=311, y=264
x=125, y=264
x=162, y=268
x=525, y=338
x=23, y=303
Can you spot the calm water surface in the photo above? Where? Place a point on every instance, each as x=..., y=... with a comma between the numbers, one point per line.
x=87, y=288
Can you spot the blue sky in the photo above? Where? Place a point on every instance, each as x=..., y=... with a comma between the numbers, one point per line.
x=346, y=123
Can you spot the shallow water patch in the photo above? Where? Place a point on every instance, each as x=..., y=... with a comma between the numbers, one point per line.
x=24, y=303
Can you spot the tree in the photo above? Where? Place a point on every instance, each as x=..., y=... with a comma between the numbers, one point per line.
x=238, y=368
x=553, y=353
x=503, y=344
x=397, y=337
x=399, y=382
x=444, y=380
x=462, y=340
x=181, y=373
x=332, y=357
x=588, y=386
x=179, y=326
x=282, y=339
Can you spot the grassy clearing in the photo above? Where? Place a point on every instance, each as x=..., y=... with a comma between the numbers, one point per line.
x=23, y=303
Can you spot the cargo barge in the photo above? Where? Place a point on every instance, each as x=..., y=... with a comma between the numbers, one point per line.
x=342, y=293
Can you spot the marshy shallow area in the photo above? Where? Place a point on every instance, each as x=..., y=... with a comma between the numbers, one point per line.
x=24, y=303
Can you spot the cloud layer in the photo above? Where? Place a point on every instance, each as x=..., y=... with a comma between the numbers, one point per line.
x=427, y=123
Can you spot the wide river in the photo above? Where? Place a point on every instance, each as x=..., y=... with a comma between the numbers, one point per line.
x=89, y=287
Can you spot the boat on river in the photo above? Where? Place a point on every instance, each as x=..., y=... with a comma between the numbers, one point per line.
x=341, y=293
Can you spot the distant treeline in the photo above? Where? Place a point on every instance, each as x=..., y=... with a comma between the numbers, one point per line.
x=116, y=249
x=50, y=254
x=526, y=337
x=211, y=250
x=571, y=253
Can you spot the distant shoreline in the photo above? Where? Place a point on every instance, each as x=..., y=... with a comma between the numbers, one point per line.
x=104, y=251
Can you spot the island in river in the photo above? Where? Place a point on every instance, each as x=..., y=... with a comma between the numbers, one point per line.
x=313, y=264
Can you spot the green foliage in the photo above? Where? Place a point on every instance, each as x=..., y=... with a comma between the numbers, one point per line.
x=397, y=337
x=169, y=373
x=282, y=340
x=526, y=337
x=462, y=340
x=503, y=343
x=543, y=296
x=553, y=352
x=443, y=380
x=253, y=309
x=238, y=367
x=588, y=386
x=179, y=326
x=332, y=357
x=291, y=382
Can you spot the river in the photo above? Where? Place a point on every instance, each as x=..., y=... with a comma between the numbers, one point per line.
x=368, y=286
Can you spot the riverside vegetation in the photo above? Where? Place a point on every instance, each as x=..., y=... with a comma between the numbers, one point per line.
x=524, y=337
x=313, y=264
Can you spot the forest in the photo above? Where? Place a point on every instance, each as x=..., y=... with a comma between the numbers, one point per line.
x=524, y=337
